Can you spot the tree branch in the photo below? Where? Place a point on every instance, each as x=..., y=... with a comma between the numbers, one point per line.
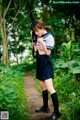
x=18, y=12
x=5, y=12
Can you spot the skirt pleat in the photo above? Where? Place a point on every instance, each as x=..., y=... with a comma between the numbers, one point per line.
x=44, y=68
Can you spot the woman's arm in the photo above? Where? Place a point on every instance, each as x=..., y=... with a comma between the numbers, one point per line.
x=47, y=52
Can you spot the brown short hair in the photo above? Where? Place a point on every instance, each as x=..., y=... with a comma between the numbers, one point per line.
x=38, y=24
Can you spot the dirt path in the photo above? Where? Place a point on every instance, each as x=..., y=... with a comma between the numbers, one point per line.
x=35, y=100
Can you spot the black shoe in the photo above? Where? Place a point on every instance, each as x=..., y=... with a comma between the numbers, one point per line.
x=54, y=116
x=42, y=109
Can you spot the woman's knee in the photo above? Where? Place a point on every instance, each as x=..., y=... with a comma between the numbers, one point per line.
x=50, y=86
x=51, y=90
x=43, y=85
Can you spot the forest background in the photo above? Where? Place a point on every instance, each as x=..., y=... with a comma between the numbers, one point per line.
x=16, y=53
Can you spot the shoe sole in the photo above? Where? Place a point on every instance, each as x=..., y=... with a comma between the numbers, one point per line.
x=42, y=111
x=56, y=118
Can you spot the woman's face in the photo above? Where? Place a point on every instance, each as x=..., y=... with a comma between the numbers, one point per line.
x=39, y=32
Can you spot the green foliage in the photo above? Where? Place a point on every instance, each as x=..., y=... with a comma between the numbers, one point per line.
x=69, y=96
x=12, y=93
x=68, y=93
x=67, y=80
x=65, y=22
x=63, y=18
x=69, y=58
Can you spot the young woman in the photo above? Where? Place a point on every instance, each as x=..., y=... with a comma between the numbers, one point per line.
x=44, y=69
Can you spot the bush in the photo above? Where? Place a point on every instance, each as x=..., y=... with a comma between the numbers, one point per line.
x=69, y=97
x=12, y=93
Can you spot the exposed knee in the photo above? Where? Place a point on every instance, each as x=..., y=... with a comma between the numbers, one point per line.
x=43, y=86
x=51, y=90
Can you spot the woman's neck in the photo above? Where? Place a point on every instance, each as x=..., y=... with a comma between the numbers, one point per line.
x=44, y=32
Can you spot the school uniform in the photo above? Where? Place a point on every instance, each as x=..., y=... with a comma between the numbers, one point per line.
x=44, y=67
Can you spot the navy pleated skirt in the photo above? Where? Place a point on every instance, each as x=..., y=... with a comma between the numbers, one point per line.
x=44, y=68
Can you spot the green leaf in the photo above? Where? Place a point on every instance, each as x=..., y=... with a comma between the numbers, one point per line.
x=64, y=65
x=10, y=90
x=68, y=45
x=76, y=70
x=59, y=62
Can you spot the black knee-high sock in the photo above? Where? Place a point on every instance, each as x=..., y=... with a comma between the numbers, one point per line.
x=45, y=98
x=55, y=102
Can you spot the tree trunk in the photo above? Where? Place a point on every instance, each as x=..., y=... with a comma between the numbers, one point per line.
x=5, y=43
x=3, y=32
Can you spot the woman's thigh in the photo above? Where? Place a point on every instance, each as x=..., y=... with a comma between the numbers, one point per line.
x=49, y=85
x=43, y=85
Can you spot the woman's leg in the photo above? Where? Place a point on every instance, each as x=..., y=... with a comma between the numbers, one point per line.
x=44, y=94
x=50, y=88
x=44, y=108
x=43, y=85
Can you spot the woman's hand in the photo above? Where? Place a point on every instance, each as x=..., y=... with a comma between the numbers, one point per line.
x=40, y=40
x=36, y=47
x=43, y=46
